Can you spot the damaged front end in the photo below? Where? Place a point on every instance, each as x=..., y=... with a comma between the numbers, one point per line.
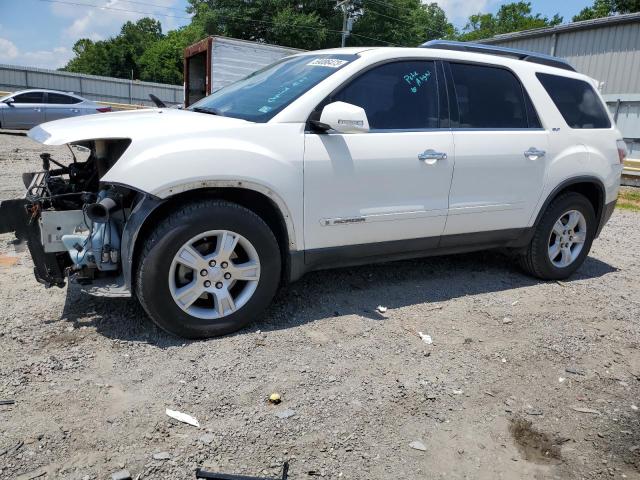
x=71, y=223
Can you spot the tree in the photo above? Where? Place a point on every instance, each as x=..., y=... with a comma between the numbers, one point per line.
x=162, y=62
x=118, y=56
x=606, y=8
x=318, y=24
x=511, y=17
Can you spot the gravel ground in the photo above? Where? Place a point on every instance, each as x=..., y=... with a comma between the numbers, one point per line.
x=524, y=379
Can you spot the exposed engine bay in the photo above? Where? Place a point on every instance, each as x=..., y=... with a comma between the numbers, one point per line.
x=72, y=224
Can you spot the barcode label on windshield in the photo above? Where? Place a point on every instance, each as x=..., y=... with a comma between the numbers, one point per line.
x=327, y=62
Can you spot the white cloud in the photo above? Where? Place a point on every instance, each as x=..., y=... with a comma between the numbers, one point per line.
x=99, y=23
x=55, y=58
x=8, y=50
x=458, y=11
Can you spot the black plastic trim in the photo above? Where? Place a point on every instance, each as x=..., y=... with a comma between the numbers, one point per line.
x=349, y=255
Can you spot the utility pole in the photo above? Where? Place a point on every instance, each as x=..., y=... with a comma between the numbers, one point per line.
x=346, y=21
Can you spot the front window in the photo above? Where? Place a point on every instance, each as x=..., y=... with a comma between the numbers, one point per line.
x=261, y=95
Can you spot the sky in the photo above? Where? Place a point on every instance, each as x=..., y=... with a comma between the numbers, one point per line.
x=41, y=33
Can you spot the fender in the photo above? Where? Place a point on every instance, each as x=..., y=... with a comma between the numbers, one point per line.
x=526, y=239
x=147, y=204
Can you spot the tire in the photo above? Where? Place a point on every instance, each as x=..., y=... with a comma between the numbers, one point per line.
x=162, y=272
x=536, y=259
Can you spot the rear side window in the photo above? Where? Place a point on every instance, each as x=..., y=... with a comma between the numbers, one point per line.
x=396, y=96
x=29, y=97
x=577, y=101
x=490, y=97
x=58, y=99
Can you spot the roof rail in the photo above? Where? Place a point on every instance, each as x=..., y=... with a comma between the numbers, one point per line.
x=503, y=51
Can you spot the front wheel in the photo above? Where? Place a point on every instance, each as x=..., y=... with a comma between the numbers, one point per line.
x=562, y=239
x=208, y=269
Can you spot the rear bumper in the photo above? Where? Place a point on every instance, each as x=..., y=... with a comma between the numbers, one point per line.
x=607, y=211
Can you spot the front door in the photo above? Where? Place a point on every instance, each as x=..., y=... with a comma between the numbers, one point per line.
x=501, y=152
x=26, y=111
x=387, y=188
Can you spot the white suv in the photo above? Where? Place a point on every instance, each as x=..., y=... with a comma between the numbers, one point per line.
x=324, y=159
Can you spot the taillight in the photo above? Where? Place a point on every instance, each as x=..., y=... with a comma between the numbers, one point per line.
x=103, y=109
x=622, y=150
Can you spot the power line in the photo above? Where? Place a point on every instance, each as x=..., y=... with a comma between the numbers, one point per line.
x=233, y=17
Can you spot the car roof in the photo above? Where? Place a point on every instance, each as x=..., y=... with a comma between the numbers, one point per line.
x=71, y=94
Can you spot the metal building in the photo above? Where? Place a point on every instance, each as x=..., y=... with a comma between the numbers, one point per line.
x=607, y=49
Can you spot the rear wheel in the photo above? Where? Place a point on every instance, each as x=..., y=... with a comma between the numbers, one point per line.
x=562, y=239
x=208, y=269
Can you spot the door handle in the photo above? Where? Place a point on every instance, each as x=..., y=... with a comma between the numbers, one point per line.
x=37, y=109
x=534, y=154
x=431, y=156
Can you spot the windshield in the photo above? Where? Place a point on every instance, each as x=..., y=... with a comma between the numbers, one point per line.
x=261, y=95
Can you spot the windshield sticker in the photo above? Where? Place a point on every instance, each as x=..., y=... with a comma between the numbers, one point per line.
x=416, y=80
x=265, y=109
x=327, y=62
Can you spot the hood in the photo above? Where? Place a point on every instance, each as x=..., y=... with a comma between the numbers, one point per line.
x=133, y=124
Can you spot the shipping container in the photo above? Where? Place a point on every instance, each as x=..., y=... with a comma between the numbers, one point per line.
x=217, y=61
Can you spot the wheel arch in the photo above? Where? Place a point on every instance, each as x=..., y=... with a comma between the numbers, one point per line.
x=591, y=187
x=152, y=209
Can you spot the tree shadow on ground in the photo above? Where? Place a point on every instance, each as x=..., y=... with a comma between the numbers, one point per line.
x=337, y=292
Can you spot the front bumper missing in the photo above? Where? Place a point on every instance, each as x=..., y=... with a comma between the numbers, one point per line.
x=20, y=217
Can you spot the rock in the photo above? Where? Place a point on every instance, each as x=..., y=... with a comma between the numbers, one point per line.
x=507, y=321
x=381, y=309
x=121, y=475
x=161, y=456
x=285, y=413
x=418, y=445
x=207, y=438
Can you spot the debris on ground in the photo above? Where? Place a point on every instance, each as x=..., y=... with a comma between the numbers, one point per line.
x=121, y=475
x=381, y=309
x=275, y=398
x=586, y=410
x=200, y=473
x=207, y=438
x=426, y=338
x=507, y=321
x=418, y=445
x=183, y=417
x=286, y=413
x=575, y=371
x=7, y=402
x=162, y=456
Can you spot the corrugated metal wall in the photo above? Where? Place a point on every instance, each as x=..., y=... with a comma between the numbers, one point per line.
x=233, y=59
x=102, y=89
x=609, y=54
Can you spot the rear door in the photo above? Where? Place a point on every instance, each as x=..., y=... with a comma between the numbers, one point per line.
x=378, y=187
x=501, y=151
x=25, y=112
x=59, y=105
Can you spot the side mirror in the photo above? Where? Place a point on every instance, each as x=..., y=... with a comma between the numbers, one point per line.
x=345, y=118
x=9, y=101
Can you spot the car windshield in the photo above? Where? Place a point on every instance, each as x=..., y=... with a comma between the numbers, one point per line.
x=261, y=95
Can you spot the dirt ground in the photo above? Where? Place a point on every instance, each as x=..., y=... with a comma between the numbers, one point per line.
x=524, y=379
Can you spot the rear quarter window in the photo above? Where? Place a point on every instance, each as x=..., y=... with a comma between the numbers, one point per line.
x=576, y=100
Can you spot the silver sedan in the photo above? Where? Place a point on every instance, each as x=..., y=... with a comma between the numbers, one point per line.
x=28, y=108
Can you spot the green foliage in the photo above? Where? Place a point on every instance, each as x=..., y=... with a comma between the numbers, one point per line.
x=118, y=56
x=512, y=17
x=317, y=24
x=605, y=8
x=142, y=50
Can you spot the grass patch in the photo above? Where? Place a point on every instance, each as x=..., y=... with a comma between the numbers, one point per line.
x=629, y=199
